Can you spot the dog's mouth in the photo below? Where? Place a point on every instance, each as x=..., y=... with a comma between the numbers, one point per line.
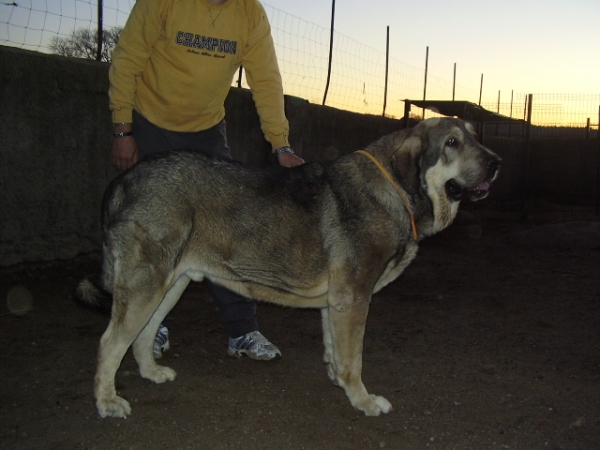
x=457, y=192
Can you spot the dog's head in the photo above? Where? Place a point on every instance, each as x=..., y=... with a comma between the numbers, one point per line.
x=441, y=158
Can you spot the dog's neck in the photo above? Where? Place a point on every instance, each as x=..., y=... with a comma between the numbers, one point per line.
x=413, y=225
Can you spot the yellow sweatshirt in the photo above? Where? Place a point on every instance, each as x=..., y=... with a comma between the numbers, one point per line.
x=176, y=59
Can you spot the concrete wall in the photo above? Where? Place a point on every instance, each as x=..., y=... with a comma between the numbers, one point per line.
x=54, y=140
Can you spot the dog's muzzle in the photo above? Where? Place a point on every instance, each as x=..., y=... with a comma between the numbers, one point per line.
x=457, y=192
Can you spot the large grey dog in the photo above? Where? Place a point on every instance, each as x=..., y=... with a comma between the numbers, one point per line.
x=320, y=235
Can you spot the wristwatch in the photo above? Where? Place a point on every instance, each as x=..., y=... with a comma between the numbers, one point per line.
x=281, y=150
x=123, y=133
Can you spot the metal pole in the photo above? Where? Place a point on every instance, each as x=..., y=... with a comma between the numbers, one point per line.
x=454, y=83
x=425, y=83
x=480, y=89
x=330, y=51
x=100, y=32
x=387, y=65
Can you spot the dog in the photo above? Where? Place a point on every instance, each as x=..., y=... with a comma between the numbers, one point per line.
x=321, y=235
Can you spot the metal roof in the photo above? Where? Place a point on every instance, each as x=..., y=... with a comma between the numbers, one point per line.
x=463, y=110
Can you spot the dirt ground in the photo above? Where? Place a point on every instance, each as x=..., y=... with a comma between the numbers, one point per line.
x=489, y=342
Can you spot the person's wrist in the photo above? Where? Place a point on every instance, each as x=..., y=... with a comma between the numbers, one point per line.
x=281, y=150
x=121, y=134
x=122, y=129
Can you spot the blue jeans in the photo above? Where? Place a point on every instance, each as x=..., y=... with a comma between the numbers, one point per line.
x=237, y=313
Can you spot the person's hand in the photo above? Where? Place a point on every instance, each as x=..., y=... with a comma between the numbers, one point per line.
x=288, y=159
x=124, y=152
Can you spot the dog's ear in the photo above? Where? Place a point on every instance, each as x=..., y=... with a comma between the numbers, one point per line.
x=431, y=152
x=406, y=163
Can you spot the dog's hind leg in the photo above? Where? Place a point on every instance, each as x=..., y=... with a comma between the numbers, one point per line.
x=135, y=299
x=142, y=346
x=347, y=318
x=113, y=346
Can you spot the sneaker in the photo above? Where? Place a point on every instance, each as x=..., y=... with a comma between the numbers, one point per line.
x=254, y=345
x=161, y=342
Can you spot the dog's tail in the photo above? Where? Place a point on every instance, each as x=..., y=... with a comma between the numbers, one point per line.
x=90, y=292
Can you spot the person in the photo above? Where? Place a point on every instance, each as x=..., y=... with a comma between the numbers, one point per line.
x=171, y=72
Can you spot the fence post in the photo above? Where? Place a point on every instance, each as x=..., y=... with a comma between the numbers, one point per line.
x=425, y=83
x=406, y=113
x=511, y=113
x=598, y=167
x=454, y=82
x=498, y=111
x=100, y=32
x=330, y=51
x=525, y=159
x=587, y=129
x=387, y=65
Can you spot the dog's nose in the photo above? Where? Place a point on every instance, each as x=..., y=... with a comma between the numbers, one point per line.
x=493, y=164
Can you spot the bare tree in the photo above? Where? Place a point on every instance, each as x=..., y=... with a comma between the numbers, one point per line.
x=83, y=43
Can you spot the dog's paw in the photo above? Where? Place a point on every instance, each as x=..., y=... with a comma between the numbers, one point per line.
x=375, y=405
x=115, y=407
x=159, y=374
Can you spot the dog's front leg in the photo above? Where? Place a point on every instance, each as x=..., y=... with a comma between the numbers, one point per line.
x=347, y=314
x=328, y=358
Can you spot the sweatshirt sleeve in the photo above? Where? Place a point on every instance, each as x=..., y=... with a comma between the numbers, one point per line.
x=262, y=72
x=131, y=54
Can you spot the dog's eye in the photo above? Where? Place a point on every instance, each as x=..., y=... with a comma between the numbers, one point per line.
x=452, y=142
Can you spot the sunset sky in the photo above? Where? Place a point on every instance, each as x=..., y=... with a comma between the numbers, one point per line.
x=525, y=46
x=548, y=46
